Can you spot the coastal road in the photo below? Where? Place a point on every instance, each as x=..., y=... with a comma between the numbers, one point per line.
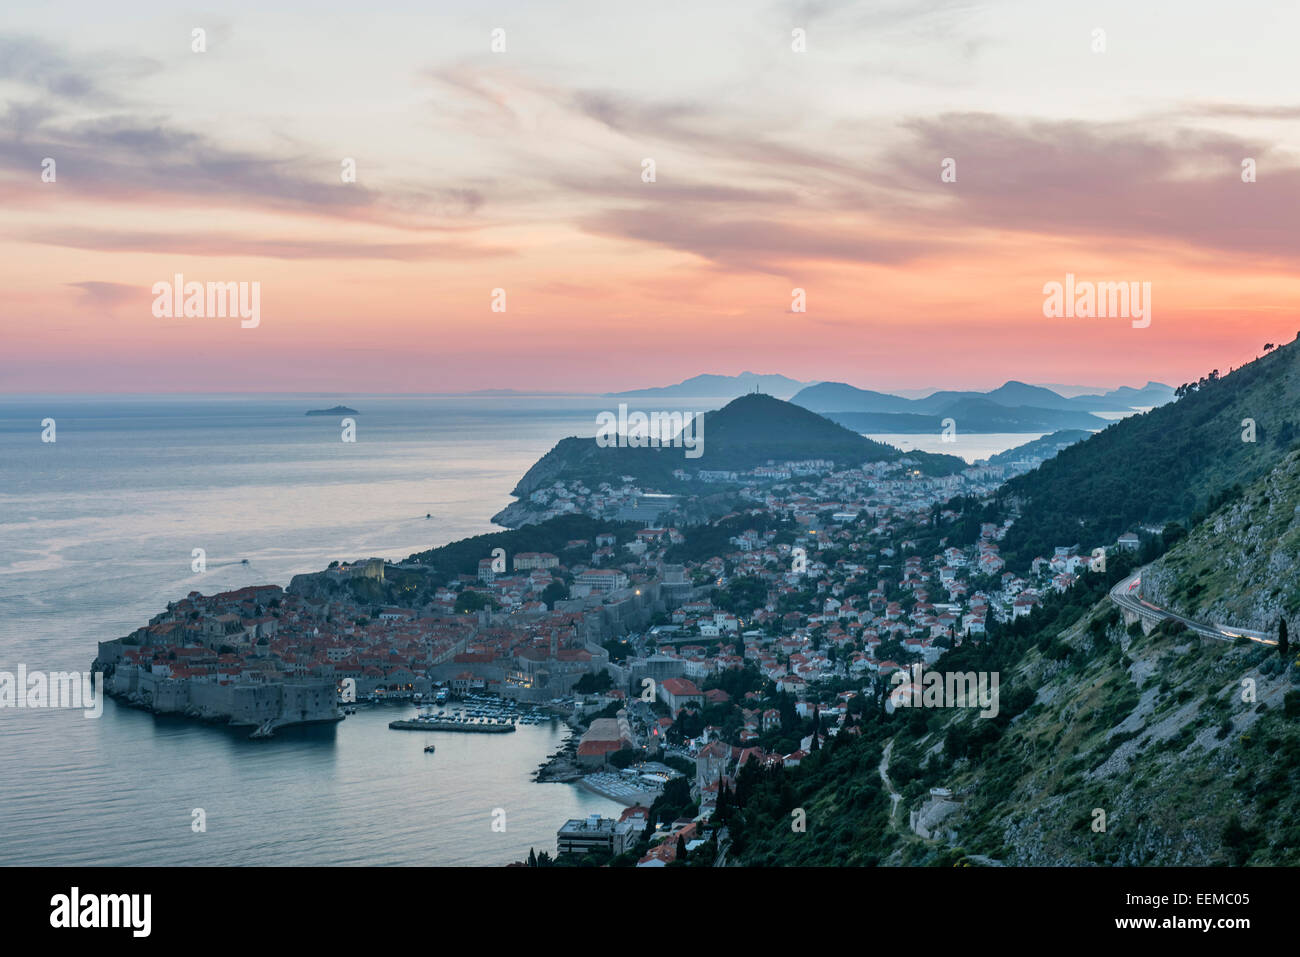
x=1127, y=594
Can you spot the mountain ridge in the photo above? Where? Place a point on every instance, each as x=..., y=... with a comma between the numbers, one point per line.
x=714, y=386
x=747, y=432
x=840, y=397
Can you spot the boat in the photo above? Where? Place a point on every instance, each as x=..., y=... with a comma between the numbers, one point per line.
x=428, y=749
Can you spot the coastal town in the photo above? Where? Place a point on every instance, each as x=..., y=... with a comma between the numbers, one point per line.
x=677, y=654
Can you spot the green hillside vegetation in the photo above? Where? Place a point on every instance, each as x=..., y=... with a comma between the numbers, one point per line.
x=1166, y=464
x=1150, y=729
x=839, y=791
x=462, y=557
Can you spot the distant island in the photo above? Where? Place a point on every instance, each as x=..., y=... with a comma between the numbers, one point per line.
x=720, y=387
x=1034, y=405
x=337, y=410
x=826, y=397
x=969, y=415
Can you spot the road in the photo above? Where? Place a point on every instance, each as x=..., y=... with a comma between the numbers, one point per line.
x=1128, y=596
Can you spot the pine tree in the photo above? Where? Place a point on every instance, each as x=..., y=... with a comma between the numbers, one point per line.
x=681, y=849
x=532, y=857
x=1283, y=643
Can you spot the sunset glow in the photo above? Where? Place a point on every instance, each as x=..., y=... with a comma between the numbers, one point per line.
x=521, y=170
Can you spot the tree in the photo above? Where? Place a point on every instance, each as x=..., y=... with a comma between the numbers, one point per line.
x=681, y=849
x=532, y=857
x=1283, y=643
x=555, y=591
x=593, y=681
x=471, y=601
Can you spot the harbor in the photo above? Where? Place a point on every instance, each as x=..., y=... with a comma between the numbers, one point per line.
x=484, y=714
x=427, y=723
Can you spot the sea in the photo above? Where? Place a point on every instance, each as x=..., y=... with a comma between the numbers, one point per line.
x=97, y=533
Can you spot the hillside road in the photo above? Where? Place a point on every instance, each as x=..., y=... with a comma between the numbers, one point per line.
x=1127, y=594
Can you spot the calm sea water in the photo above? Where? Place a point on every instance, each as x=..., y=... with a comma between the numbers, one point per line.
x=968, y=445
x=96, y=535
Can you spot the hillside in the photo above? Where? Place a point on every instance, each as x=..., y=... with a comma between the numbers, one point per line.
x=1150, y=729
x=1162, y=465
x=1241, y=566
x=749, y=431
x=1115, y=743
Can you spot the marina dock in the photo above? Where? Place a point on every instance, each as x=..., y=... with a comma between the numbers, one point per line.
x=437, y=724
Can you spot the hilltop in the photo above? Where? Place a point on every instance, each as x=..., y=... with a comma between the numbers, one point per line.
x=750, y=431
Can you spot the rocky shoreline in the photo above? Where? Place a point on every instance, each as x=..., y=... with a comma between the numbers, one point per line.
x=562, y=766
x=517, y=515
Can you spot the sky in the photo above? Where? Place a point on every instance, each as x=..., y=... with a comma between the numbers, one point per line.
x=523, y=170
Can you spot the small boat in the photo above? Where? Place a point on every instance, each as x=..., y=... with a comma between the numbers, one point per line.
x=428, y=749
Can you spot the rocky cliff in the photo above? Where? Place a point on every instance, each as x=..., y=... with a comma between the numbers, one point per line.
x=1241, y=566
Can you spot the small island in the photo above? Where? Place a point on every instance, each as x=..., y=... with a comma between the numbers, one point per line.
x=337, y=410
